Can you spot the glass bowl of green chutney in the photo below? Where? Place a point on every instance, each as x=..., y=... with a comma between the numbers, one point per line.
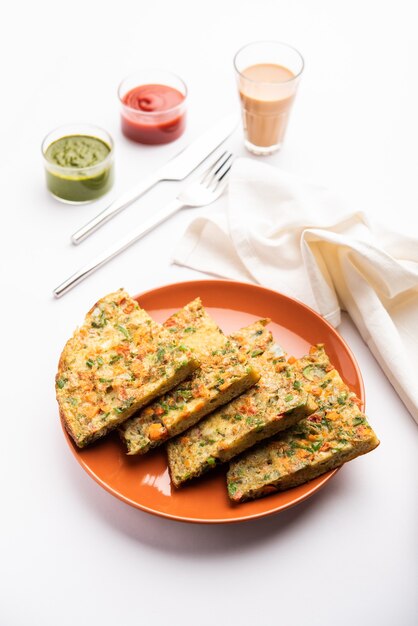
x=78, y=162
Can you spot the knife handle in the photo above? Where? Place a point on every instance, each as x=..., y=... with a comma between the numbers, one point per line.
x=116, y=207
x=122, y=245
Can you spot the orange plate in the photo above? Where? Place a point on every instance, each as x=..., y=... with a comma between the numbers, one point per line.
x=144, y=481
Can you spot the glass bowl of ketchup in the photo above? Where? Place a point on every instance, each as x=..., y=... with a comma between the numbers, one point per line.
x=153, y=106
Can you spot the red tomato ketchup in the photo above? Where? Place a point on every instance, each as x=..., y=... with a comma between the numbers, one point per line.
x=153, y=113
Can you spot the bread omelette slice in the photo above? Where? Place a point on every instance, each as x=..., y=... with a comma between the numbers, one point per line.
x=275, y=403
x=336, y=433
x=225, y=373
x=115, y=363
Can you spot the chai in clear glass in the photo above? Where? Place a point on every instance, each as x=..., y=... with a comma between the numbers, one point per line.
x=268, y=75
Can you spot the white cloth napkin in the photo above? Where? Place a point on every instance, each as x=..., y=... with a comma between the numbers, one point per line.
x=296, y=238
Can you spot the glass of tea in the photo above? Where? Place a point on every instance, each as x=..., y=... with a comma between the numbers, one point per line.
x=268, y=74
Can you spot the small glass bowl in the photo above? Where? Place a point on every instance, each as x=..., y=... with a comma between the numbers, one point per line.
x=75, y=184
x=152, y=127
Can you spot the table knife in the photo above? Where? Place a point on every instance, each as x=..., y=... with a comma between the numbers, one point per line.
x=177, y=168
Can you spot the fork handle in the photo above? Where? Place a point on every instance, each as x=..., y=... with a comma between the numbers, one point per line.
x=115, y=207
x=122, y=245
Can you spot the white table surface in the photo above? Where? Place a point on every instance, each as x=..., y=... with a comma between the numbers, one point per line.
x=70, y=552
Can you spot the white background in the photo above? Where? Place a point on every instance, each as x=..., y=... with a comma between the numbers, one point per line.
x=69, y=552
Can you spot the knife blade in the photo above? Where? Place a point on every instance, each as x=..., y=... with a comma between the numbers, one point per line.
x=177, y=168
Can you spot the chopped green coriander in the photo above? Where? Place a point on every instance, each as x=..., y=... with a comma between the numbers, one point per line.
x=124, y=331
x=99, y=321
x=160, y=354
x=186, y=394
x=315, y=446
x=359, y=420
x=342, y=398
x=313, y=372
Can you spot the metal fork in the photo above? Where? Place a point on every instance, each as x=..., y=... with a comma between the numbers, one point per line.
x=199, y=193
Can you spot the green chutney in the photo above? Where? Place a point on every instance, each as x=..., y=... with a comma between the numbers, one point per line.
x=79, y=168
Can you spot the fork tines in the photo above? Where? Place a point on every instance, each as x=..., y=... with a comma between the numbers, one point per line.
x=218, y=170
